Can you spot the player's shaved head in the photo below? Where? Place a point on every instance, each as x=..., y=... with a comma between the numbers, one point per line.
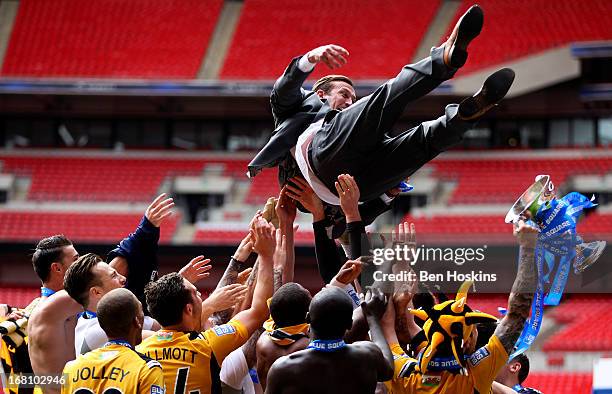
x=289, y=305
x=330, y=313
x=117, y=310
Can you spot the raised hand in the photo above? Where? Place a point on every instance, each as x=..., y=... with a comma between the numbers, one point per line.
x=225, y=297
x=243, y=276
x=333, y=56
x=349, y=271
x=264, y=236
x=285, y=209
x=159, y=209
x=245, y=248
x=196, y=270
x=374, y=304
x=303, y=193
x=348, y=191
x=526, y=235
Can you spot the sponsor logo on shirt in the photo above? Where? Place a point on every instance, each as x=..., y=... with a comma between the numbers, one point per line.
x=164, y=336
x=102, y=356
x=224, y=329
x=479, y=355
x=155, y=389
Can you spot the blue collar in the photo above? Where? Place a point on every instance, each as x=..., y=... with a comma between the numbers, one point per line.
x=121, y=342
x=87, y=315
x=46, y=292
x=517, y=387
x=322, y=345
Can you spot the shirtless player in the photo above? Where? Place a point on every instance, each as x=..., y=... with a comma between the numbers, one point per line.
x=329, y=365
x=51, y=324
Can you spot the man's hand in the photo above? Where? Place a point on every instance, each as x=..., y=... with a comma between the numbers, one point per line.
x=265, y=238
x=16, y=314
x=304, y=194
x=243, y=276
x=348, y=272
x=245, y=248
x=285, y=209
x=348, y=191
x=225, y=297
x=405, y=235
x=159, y=209
x=333, y=56
x=374, y=304
x=526, y=235
x=196, y=269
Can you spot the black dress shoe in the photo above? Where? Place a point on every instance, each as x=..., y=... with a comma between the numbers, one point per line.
x=493, y=90
x=467, y=28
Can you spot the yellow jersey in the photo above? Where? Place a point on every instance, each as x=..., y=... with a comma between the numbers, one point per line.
x=113, y=369
x=483, y=366
x=192, y=360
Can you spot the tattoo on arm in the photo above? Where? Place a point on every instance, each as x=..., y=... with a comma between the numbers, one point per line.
x=231, y=273
x=278, y=278
x=519, y=302
x=229, y=277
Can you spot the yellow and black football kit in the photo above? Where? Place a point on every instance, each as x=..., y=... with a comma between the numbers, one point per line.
x=483, y=366
x=113, y=369
x=14, y=347
x=192, y=360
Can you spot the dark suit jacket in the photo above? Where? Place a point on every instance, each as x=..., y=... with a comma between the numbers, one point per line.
x=294, y=109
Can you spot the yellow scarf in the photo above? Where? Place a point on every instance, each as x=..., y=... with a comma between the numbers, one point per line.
x=285, y=336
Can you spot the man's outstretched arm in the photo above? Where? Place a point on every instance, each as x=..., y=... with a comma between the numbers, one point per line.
x=287, y=92
x=264, y=244
x=519, y=302
x=373, y=308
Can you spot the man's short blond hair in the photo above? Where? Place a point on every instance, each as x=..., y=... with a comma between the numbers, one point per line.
x=325, y=83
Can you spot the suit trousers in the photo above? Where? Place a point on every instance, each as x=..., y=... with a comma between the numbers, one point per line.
x=356, y=141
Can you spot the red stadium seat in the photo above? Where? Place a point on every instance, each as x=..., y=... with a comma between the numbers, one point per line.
x=513, y=29
x=105, y=178
x=107, y=38
x=18, y=296
x=233, y=237
x=560, y=382
x=380, y=36
x=479, y=181
x=78, y=226
x=578, y=314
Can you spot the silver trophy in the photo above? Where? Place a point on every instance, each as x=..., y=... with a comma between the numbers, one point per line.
x=528, y=199
x=538, y=193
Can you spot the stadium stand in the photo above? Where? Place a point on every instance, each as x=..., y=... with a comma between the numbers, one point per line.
x=492, y=228
x=532, y=26
x=105, y=178
x=78, y=226
x=263, y=186
x=479, y=181
x=224, y=235
x=560, y=382
x=18, y=296
x=380, y=36
x=106, y=38
x=578, y=314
